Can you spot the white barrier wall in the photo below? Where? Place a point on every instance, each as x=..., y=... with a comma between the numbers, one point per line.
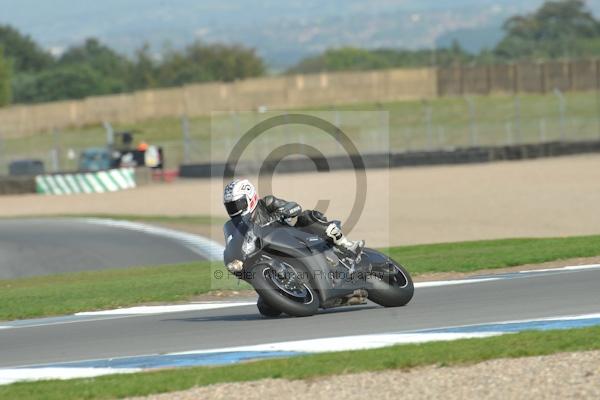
x=92, y=182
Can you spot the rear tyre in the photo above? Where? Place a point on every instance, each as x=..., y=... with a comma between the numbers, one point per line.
x=391, y=285
x=266, y=310
x=295, y=298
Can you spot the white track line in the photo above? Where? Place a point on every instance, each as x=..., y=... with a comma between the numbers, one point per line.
x=571, y=317
x=568, y=268
x=203, y=246
x=148, y=310
x=454, y=282
x=8, y=376
x=502, y=276
x=344, y=343
x=123, y=313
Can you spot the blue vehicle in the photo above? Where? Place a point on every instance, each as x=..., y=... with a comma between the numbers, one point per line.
x=95, y=159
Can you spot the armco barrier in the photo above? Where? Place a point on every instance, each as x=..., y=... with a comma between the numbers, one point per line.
x=391, y=160
x=92, y=182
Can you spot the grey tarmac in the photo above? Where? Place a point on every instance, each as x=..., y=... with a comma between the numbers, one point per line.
x=538, y=295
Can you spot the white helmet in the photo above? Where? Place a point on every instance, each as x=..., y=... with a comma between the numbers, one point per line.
x=240, y=197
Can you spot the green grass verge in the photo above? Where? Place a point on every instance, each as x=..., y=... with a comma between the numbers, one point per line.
x=489, y=254
x=83, y=291
x=93, y=290
x=397, y=357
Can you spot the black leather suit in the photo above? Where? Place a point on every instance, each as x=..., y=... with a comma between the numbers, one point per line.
x=271, y=208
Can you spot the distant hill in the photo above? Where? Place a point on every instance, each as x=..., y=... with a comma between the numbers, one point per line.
x=472, y=39
x=282, y=31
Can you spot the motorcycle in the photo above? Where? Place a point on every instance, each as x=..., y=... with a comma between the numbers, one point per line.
x=296, y=272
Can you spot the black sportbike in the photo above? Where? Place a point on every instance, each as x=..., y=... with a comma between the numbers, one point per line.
x=297, y=272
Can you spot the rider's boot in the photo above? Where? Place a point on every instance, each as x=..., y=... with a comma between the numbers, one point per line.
x=353, y=246
x=342, y=242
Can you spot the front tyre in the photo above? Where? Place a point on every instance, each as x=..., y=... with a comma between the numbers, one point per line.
x=390, y=285
x=285, y=292
x=266, y=310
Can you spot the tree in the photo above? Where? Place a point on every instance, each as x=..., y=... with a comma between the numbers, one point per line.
x=25, y=54
x=209, y=62
x=349, y=58
x=143, y=70
x=5, y=79
x=557, y=29
x=110, y=65
x=67, y=82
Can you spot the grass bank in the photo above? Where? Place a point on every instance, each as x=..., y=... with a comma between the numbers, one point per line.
x=84, y=291
x=490, y=254
x=113, y=288
x=397, y=357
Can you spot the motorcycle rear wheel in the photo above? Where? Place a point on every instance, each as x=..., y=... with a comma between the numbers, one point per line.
x=392, y=286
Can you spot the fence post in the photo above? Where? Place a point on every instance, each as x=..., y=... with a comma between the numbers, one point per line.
x=56, y=150
x=518, y=119
x=407, y=138
x=509, y=133
x=561, y=113
x=384, y=129
x=260, y=140
x=542, y=130
x=338, y=124
x=461, y=79
x=428, y=127
x=110, y=133
x=2, y=161
x=441, y=136
x=570, y=82
x=488, y=79
x=598, y=94
x=543, y=78
x=515, y=76
x=473, y=133
x=185, y=129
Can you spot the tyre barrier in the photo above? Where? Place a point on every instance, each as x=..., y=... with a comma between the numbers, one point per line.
x=467, y=155
x=91, y=182
x=10, y=185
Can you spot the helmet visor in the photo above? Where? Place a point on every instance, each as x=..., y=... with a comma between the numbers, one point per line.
x=236, y=207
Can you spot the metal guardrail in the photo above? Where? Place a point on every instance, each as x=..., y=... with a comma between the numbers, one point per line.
x=392, y=160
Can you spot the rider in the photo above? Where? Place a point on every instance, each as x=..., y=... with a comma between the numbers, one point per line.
x=240, y=198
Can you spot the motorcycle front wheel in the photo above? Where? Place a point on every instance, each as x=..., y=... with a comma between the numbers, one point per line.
x=286, y=293
x=266, y=310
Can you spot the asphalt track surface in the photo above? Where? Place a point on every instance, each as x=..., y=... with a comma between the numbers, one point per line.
x=30, y=247
x=522, y=296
